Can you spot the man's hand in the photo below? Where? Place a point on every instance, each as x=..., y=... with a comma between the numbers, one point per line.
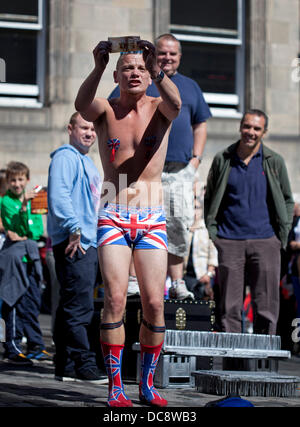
x=195, y=162
x=101, y=54
x=149, y=55
x=74, y=244
x=208, y=290
x=205, y=279
x=294, y=245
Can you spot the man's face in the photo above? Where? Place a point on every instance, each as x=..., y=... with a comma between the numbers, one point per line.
x=17, y=184
x=168, y=56
x=252, y=130
x=82, y=135
x=131, y=74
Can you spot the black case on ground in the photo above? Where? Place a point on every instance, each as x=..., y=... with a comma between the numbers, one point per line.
x=190, y=315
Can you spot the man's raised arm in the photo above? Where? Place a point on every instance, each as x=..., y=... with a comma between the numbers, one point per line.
x=86, y=104
x=171, y=101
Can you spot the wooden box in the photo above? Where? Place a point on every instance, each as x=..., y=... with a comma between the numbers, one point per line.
x=190, y=315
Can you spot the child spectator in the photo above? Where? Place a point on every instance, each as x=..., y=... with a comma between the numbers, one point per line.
x=20, y=269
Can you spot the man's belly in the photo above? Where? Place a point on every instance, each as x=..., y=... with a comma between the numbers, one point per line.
x=137, y=194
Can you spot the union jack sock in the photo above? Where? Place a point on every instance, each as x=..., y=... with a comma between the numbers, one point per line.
x=147, y=392
x=112, y=354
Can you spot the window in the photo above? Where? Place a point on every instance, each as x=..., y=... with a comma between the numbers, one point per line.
x=22, y=47
x=212, y=39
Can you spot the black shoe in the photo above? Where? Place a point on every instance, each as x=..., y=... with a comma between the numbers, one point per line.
x=93, y=375
x=66, y=376
x=19, y=359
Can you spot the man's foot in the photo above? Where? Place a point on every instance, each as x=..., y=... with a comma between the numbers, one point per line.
x=149, y=359
x=178, y=290
x=151, y=397
x=113, y=354
x=118, y=399
x=65, y=376
x=92, y=375
x=18, y=359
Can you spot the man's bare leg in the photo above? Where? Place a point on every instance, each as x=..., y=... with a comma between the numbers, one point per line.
x=112, y=334
x=151, y=269
x=175, y=267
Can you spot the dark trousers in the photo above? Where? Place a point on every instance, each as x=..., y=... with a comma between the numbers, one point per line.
x=77, y=277
x=22, y=319
x=255, y=263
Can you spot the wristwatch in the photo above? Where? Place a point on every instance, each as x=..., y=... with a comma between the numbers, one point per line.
x=210, y=274
x=159, y=77
x=197, y=157
x=76, y=232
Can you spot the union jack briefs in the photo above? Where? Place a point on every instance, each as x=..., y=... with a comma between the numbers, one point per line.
x=142, y=228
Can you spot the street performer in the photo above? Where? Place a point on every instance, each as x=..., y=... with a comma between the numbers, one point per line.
x=133, y=135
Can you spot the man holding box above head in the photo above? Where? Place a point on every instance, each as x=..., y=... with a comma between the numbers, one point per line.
x=133, y=135
x=185, y=148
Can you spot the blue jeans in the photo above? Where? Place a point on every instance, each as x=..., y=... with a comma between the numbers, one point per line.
x=77, y=277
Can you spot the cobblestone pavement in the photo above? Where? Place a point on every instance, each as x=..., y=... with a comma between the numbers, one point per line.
x=36, y=387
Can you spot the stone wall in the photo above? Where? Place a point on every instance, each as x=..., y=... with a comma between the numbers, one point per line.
x=76, y=26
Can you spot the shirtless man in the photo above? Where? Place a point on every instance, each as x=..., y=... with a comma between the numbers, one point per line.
x=133, y=135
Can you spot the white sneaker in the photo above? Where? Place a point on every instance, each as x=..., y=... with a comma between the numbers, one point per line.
x=133, y=286
x=179, y=291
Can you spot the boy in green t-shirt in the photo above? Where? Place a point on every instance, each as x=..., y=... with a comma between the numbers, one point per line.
x=20, y=224
x=16, y=215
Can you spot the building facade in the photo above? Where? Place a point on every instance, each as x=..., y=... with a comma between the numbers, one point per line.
x=244, y=56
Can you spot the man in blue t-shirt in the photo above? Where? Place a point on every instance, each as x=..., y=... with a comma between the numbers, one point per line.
x=186, y=145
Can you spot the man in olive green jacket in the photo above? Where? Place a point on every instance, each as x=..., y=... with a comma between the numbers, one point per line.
x=248, y=210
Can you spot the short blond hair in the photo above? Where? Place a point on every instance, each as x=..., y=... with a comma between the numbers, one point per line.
x=121, y=57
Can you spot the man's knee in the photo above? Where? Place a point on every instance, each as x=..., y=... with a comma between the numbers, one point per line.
x=115, y=305
x=154, y=308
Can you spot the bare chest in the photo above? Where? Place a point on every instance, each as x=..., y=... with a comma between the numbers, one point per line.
x=132, y=134
x=130, y=130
